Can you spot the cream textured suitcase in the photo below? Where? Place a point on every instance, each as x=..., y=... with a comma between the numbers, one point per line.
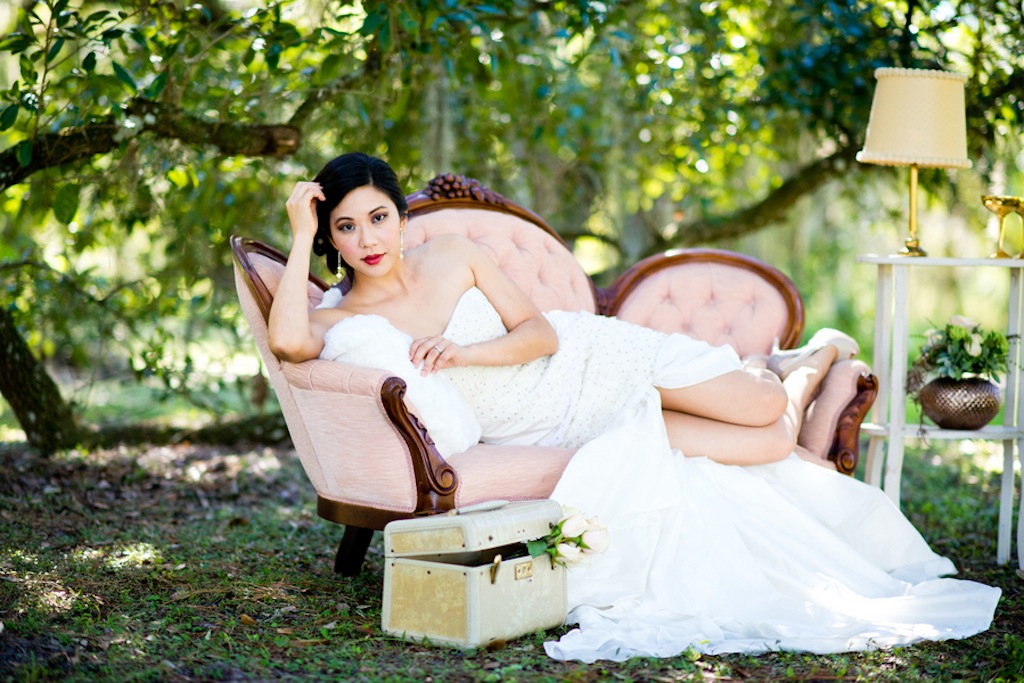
x=465, y=579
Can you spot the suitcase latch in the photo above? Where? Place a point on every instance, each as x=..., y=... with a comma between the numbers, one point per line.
x=524, y=570
x=495, y=566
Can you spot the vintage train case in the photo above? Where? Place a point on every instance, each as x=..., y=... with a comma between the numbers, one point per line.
x=466, y=579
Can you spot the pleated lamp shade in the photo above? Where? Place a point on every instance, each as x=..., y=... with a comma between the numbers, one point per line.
x=917, y=118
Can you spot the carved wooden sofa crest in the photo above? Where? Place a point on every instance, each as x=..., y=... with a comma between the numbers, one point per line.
x=371, y=461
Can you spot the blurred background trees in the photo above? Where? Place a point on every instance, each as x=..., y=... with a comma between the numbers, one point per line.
x=136, y=137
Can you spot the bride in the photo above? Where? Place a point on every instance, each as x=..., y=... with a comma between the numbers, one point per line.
x=778, y=554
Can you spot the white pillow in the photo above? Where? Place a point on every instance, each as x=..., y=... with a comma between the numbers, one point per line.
x=371, y=341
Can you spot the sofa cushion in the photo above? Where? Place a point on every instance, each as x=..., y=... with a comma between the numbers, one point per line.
x=526, y=472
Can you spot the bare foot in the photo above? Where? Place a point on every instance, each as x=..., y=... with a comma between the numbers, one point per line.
x=782, y=362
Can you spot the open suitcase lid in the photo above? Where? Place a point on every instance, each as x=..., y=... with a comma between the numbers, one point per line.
x=479, y=527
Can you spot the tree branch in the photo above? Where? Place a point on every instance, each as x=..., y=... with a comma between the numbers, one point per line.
x=69, y=280
x=103, y=136
x=772, y=208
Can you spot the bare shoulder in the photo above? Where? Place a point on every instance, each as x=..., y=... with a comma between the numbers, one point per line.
x=444, y=253
x=451, y=243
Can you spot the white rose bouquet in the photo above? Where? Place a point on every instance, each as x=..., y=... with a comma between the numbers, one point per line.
x=960, y=349
x=571, y=538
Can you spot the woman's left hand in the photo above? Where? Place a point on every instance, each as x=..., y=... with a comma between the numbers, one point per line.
x=435, y=353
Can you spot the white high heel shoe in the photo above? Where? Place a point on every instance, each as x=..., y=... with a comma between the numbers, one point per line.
x=782, y=362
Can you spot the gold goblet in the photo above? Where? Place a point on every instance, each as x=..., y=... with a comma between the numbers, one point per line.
x=1002, y=206
x=1020, y=212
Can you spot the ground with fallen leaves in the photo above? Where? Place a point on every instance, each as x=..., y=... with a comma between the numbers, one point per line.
x=190, y=563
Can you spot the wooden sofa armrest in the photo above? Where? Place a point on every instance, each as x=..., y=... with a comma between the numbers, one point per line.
x=335, y=383
x=846, y=443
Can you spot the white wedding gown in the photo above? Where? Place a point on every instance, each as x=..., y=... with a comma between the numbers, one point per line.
x=784, y=556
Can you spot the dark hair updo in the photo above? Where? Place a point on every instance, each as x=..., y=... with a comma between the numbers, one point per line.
x=340, y=176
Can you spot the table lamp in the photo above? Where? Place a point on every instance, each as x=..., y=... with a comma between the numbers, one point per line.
x=917, y=120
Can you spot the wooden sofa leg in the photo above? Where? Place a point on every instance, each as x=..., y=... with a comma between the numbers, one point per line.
x=352, y=550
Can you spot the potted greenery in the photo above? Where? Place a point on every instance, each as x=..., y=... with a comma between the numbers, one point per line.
x=954, y=379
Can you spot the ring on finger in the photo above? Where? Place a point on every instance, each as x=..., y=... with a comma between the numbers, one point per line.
x=438, y=349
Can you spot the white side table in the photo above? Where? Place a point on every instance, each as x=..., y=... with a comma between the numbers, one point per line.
x=888, y=426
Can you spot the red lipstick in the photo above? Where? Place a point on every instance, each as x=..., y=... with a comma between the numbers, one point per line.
x=373, y=259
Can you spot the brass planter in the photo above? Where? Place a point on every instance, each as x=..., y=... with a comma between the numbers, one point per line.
x=968, y=403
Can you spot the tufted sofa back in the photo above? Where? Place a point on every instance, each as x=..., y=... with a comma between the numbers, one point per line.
x=538, y=262
x=720, y=297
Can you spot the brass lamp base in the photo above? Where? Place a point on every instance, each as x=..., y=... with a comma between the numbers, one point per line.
x=912, y=248
x=912, y=245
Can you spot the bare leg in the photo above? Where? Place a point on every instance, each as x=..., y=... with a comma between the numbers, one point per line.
x=735, y=438
x=751, y=398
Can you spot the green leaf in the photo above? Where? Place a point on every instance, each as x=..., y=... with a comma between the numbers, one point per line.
x=8, y=116
x=179, y=177
x=374, y=20
x=537, y=547
x=23, y=151
x=55, y=49
x=125, y=78
x=95, y=17
x=330, y=68
x=65, y=204
x=28, y=70
x=110, y=35
x=273, y=55
x=16, y=43
x=409, y=24
x=157, y=86
x=89, y=63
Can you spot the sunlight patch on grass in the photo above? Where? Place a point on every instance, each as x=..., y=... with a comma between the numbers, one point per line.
x=57, y=599
x=119, y=557
x=19, y=556
x=135, y=555
x=232, y=466
x=40, y=589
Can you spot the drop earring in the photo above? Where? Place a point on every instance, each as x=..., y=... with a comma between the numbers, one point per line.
x=340, y=271
x=401, y=245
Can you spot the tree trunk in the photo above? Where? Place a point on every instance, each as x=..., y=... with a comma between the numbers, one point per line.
x=46, y=417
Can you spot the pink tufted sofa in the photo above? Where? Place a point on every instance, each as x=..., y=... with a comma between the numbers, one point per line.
x=371, y=460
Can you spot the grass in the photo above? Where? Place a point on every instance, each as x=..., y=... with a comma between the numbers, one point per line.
x=192, y=563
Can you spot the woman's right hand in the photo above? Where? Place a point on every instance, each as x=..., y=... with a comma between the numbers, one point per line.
x=301, y=207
